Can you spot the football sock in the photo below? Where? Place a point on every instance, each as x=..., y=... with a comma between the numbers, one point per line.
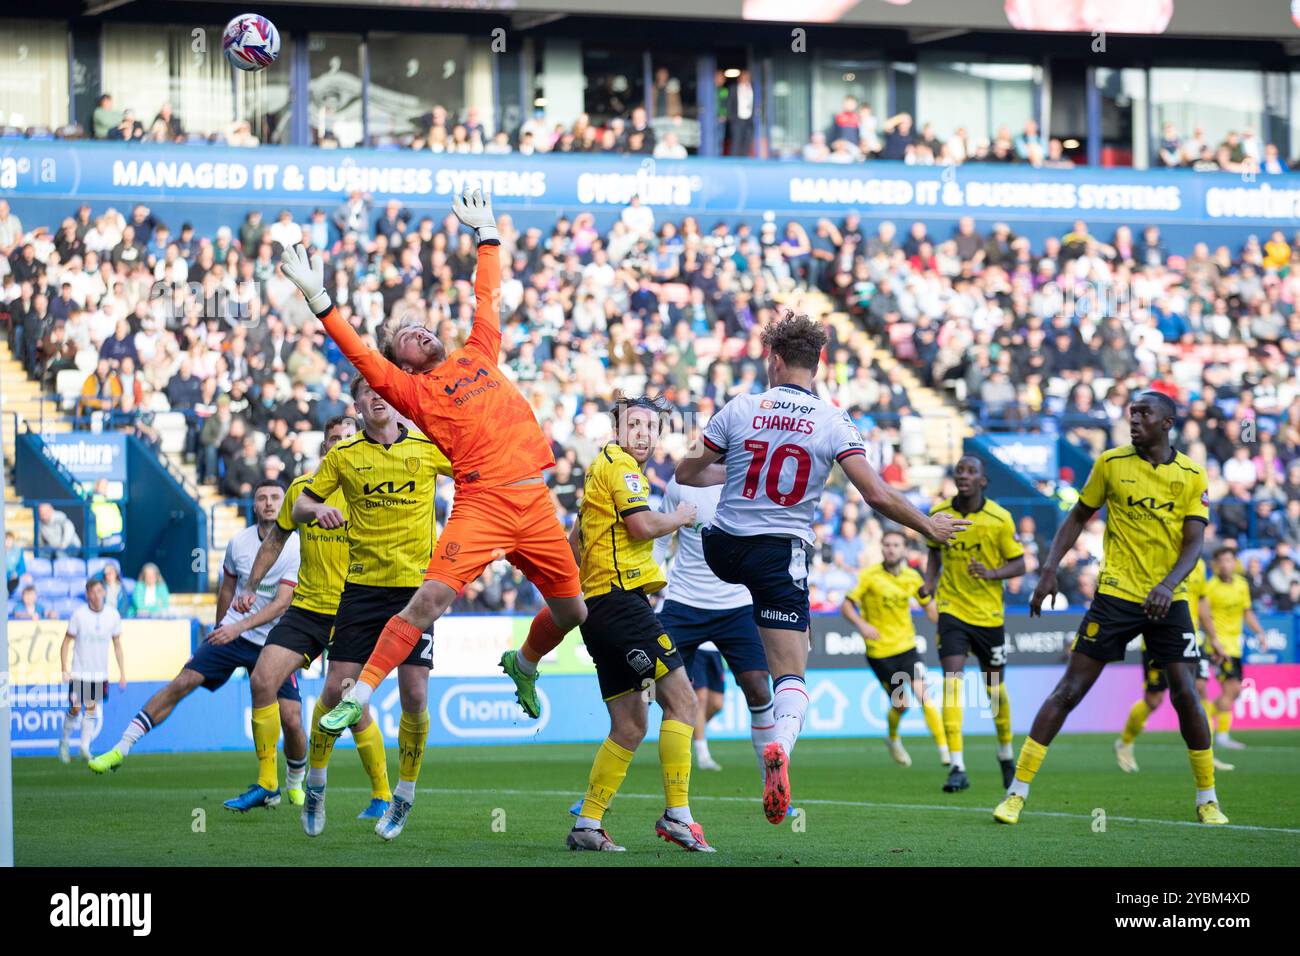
x=89, y=725
x=266, y=736
x=1031, y=758
x=295, y=772
x=412, y=732
x=702, y=750
x=321, y=744
x=607, y=773
x=1203, y=770
x=895, y=717
x=762, y=727
x=1002, y=720
x=370, y=748
x=952, y=714
x=140, y=725
x=675, y=762
x=788, y=706
x=395, y=644
x=1137, y=721
x=69, y=725
x=934, y=721
x=544, y=636
x=1223, y=719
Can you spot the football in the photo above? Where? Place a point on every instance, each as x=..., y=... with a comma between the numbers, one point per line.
x=251, y=42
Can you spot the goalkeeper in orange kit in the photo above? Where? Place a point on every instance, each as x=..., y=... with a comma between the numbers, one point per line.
x=465, y=403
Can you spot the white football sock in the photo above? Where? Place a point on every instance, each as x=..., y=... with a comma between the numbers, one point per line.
x=788, y=706
x=1206, y=796
x=762, y=728
x=69, y=725
x=1004, y=751
x=701, y=750
x=140, y=725
x=956, y=762
x=1018, y=787
x=587, y=823
x=680, y=814
x=89, y=724
x=297, y=771
x=316, y=778
x=406, y=790
x=525, y=665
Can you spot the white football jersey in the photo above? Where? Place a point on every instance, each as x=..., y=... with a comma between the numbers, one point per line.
x=92, y=634
x=779, y=447
x=238, y=564
x=690, y=581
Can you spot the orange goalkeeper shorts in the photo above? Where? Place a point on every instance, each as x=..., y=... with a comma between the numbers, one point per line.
x=515, y=522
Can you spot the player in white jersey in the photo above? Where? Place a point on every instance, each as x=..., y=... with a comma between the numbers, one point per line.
x=92, y=627
x=773, y=453
x=702, y=613
x=238, y=638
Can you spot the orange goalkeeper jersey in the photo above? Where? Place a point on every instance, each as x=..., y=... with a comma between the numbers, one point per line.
x=466, y=405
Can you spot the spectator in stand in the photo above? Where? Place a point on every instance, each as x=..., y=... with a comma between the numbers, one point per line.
x=242, y=472
x=740, y=116
x=115, y=595
x=104, y=119
x=29, y=608
x=898, y=137
x=101, y=392
x=670, y=147
x=15, y=561
x=150, y=597
x=844, y=126
x=56, y=535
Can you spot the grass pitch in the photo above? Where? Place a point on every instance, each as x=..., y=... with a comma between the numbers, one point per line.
x=507, y=806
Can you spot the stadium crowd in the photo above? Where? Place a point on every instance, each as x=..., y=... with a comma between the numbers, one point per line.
x=140, y=319
x=854, y=134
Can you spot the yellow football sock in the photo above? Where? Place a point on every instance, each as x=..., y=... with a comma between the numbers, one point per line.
x=952, y=711
x=1210, y=713
x=266, y=736
x=412, y=732
x=1137, y=721
x=1002, y=714
x=1202, y=768
x=895, y=717
x=935, y=722
x=607, y=773
x=1224, y=718
x=1031, y=758
x=370, y=748
x=322, y=744
x=675, y=761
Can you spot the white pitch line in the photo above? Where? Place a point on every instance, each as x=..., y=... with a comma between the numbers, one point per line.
x=856, y=804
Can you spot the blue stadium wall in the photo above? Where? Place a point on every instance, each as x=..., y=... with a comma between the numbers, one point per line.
x=213, y=186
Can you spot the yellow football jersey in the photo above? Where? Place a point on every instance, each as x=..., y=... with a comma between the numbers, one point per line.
x=324, y=553
x=615, y=488
x=389, y=490
x=990, y=539
x=1146, y=506
x=1229, y=602
x=885, y=601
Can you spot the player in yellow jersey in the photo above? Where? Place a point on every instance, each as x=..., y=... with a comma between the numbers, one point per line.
x=1156, y=683
x=965, y=575
x=1157, y=506
x=635, y=658
x=304, y=632
x=880, y=608
x=1228, y=595
x=387, y=475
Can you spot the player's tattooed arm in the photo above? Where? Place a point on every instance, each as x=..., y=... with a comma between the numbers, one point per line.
x=1062, y=542
x=701, y=466
x=277, y=606
x=268, y=552
x=1162, y=595
x=891, y=503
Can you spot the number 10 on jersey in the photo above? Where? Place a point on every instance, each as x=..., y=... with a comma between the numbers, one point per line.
x=772, y=486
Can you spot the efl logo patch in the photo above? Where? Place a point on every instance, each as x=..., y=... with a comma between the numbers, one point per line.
x=1205, y=498
x=633, y=482
x=640, y=661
